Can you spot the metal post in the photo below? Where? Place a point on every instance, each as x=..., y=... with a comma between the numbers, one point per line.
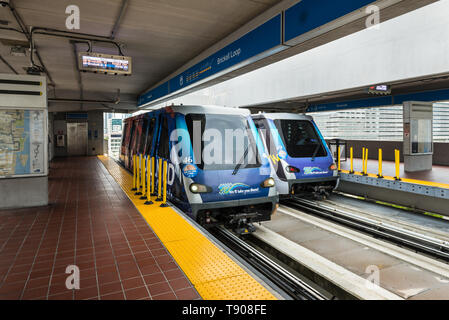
x=149, y=186
x=397, y=158
x=153, y=170
x=134, y=174
x=159, y=180
x=138, y=193
x=143, y=175
x=363, y=160
x=339, y=159
x=352, y=160
x=366, y=162
x=380, y=175
x=164, y=197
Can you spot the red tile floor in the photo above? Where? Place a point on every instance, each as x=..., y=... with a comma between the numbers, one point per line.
x=89, y=223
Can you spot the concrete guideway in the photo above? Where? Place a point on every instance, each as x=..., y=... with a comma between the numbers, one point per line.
x=325, y=247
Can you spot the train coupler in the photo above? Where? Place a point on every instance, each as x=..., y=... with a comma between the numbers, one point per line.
x=245, y=228
x=241, y=223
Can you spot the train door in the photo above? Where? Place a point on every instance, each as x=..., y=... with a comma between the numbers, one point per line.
x=167, y=124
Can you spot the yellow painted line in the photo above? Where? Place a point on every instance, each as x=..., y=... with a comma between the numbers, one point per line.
x=214, y=275
x=413, y=181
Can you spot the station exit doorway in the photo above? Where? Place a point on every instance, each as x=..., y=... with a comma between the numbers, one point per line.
x=77, y=138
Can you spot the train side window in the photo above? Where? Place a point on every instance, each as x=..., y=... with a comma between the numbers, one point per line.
x=143, y=136
x=134, y=137
x=152, y=123
x=163, y=151
x=125, y=134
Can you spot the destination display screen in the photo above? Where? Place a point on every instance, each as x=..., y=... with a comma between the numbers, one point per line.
x=105, y=63
x=380, y=89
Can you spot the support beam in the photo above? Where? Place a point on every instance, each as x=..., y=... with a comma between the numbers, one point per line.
x=8, y=65
x=122, y=11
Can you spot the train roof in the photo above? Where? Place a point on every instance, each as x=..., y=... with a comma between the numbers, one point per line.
x=283, y=116
x=186, y=109
x=207, y=109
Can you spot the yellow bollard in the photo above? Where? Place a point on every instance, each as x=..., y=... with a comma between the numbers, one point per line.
x=339, y=159
x=363, y=160
x=397, y=158
x=159, y=180
x=351, y=151
x=143, y=175
x=148, y=193
x=164, y=194
x=380, y=175
x=366, y=162
x=152, y=176
x=138, y=193
x=134, y=174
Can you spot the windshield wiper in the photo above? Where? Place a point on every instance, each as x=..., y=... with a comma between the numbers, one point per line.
x=316, y=151
x=239, y=164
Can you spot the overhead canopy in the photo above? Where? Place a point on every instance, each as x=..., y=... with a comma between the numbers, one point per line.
x=289, y=28
x=173, y=43
x=160, y=36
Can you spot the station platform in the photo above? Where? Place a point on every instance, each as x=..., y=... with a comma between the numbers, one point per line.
x=124, y=250
x=437, y=177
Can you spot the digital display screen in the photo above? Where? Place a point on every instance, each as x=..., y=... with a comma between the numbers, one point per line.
x=105, y=63
x=380, y=89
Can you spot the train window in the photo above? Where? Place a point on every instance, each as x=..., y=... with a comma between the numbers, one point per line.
x=142, y=136
x=300, y=138
x=163, y=151
x=125, y=134
x=151, y=129
x=134, y=136
x=241, y=152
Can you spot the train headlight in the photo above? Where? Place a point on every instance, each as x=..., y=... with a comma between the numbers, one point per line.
x=199, y=188
x=268, y=183
x=333, y=167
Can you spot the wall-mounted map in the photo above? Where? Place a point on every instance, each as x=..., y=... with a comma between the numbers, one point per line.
x=22, y=142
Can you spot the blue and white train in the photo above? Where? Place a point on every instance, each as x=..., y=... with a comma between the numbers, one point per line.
x=216, y=169
x=300, y=157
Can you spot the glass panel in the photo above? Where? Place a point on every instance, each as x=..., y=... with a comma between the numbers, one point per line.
x=225, y=142
x=300, y=138
x=421, y=135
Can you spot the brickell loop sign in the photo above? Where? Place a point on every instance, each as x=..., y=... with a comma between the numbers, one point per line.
x=267, y=36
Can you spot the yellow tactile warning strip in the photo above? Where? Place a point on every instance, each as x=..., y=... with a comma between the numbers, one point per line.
x=214, y=275
x=413, y=181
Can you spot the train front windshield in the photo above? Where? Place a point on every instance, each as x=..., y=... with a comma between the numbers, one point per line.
x=222, y=142
x=300, y=139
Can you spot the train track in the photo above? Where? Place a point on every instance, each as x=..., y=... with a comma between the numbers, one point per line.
x=293, y=286
x=434, y=247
